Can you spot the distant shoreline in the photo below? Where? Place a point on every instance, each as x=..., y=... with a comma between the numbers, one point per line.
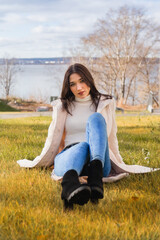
x=39, y=61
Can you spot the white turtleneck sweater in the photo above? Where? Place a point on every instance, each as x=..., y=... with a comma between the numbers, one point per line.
x=75, y=125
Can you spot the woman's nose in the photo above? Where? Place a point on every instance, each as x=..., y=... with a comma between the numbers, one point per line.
x=79, y=86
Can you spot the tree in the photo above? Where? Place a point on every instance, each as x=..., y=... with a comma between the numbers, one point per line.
x=149, y=75
x=120, y=44
x=8, y=71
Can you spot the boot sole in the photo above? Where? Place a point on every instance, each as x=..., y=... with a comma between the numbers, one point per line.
x=67, y=205
x=96, y=193
x=80, y=196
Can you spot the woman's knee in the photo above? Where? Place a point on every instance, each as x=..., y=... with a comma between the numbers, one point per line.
x=84, y=145
x=97, y=117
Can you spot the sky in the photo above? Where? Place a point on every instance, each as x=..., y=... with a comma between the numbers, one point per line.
x=51, y=28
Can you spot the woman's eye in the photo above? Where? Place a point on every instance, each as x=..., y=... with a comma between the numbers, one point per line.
x=72, y=84
x=82, y=80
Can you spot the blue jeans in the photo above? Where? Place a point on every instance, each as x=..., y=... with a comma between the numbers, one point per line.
x=95, y=147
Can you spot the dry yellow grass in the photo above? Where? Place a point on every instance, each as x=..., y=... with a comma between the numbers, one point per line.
x=30, y=203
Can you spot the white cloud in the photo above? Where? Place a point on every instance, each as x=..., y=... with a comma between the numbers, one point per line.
x=46, y=28
x=58, y=29
x=11, y=18
x=38, y=29
x=37, y=18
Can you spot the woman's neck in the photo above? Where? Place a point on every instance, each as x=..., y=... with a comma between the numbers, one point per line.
x=88, y=98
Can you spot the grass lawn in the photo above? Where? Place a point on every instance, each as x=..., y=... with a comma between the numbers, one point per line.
x=6, y=108
x=30, y=203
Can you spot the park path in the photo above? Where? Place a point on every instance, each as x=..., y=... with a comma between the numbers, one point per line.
x=12, y=115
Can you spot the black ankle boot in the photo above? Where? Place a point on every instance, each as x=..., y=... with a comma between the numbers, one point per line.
x=72, y=191
x=95, y=180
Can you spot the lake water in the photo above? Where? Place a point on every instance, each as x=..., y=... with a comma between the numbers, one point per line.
x=38, y=82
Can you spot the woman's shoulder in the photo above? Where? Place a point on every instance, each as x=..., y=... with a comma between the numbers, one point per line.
x=56, y=103
x=107, y=99
x=107, y=102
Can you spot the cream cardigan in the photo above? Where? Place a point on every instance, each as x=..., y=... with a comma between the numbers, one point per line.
x=55, y=133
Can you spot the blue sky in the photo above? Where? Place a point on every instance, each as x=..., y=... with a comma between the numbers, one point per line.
x=49, y=28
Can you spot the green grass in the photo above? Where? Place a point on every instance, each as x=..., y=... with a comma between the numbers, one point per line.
x=30, y=203
x=6, y=108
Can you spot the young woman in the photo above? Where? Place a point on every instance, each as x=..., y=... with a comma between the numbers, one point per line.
x=85, y=141
x=82, y=140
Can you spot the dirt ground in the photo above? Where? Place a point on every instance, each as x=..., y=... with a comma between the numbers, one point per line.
x=32, y=106
x=29, y=106
x=132, y=108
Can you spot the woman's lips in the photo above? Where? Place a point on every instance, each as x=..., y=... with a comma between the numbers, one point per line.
x=81, y=93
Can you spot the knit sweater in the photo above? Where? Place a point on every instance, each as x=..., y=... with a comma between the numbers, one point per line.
x=75, y=125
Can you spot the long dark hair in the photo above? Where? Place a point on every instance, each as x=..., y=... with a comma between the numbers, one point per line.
x=67, y=97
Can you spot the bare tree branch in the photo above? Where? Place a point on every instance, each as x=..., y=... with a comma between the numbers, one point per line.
x=121, y=41
x=8, y=71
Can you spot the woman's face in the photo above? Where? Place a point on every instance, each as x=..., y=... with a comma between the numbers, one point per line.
x=77, y=86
